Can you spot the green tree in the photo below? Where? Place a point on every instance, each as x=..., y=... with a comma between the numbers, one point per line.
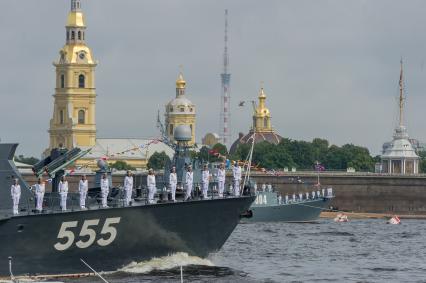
x=121, y=165
x=220, y=148
x=158, y=160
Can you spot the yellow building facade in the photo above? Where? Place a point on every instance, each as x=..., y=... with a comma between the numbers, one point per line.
x=73, y=122
x=180, y=111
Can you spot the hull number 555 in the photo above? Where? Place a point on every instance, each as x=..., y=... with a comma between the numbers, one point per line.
x=87, y=234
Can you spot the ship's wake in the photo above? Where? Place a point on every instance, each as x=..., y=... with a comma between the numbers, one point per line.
x=166, y=263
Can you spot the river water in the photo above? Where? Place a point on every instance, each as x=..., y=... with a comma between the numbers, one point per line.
x=357, y=251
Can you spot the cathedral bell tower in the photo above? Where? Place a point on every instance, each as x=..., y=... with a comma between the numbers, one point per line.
x=73, y=122
x=180, y=111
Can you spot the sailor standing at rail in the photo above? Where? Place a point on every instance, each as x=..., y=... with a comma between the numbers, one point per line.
x=221, y=175
x=63, y=192
x=128, y=187
x=150, y=182
x=236, y=171
x=83, y=187
x=205, y=181
x=189, y=179
x=104, y=190
x=173, y=182
x=15, y=191
x=40, y=189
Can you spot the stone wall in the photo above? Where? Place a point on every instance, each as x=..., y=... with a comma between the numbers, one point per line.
x=371, y=193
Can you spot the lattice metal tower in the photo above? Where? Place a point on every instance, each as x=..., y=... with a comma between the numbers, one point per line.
x=225, y=92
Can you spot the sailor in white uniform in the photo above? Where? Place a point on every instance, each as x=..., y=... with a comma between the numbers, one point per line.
x=221, y=175
x=40, y=189
x=63, y=192
x=286, y=198
x=15, y=191
x=205, y=178
x=83, y=187
x=307, y=195
x=263, y=187
x=189, y=179
x=150, y=182
x=300, y=196
x=255, y=188
x=236, y=171
x=104, y=190
x=173, y=182
x=128, y=188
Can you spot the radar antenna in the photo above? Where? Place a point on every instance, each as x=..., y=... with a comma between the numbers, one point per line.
x=164, y=137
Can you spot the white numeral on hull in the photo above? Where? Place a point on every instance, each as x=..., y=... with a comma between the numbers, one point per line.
x=86, y=231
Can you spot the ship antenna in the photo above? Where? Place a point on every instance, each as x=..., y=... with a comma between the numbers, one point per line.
x=10, y=270
x=97, y=274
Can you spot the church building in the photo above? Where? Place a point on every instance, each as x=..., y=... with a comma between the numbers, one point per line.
x=261, y=125
x=180, y=111
x=73, y=123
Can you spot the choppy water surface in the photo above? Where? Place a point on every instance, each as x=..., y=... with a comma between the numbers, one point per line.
x=357, y=251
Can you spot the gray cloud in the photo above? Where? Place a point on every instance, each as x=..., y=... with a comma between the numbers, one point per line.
x=330, y=67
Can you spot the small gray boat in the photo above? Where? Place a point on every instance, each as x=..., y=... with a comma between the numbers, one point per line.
x=269, y=206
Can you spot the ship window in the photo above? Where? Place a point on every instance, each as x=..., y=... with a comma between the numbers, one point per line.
x=20, y=227
x=61, y=117
x=79, y=35
x=81, y=81
x=72, y=35
x=81, y=117
x=62, y=81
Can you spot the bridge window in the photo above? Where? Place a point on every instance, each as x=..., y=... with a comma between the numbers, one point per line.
x=61, y=117
x=81, y=117
x=62, y=81
x=81, y=81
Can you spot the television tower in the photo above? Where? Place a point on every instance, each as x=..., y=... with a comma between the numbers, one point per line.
x=225, y=92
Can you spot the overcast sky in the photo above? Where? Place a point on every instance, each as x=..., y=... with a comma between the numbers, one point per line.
x=330, y=68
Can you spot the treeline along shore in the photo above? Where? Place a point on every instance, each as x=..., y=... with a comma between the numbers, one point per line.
x=355, y=192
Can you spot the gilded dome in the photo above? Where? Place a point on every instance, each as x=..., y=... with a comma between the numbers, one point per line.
x=75, y=19
x=180, y=82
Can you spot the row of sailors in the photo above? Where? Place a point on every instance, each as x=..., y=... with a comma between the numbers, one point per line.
x=308, y=196
x=128, y=187
x=83, y=187
x=189, y=182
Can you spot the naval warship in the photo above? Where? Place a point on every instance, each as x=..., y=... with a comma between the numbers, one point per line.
x=54, y=242
x=269, y=206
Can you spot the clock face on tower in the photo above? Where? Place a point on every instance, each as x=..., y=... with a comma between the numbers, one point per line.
x=81, y=55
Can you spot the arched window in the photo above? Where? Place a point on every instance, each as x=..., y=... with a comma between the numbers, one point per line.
x=265, y=122
x=79, y=35
x=81, y=81
x=83, y=35
x=61, y=117
x=72, y=35
x=62, y=81
x=81, y=117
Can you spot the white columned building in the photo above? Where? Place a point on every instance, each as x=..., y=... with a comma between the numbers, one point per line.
x=399, y=157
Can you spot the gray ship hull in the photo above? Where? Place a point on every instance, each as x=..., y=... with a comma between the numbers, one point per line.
x=305, y=211
x=108, y=239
